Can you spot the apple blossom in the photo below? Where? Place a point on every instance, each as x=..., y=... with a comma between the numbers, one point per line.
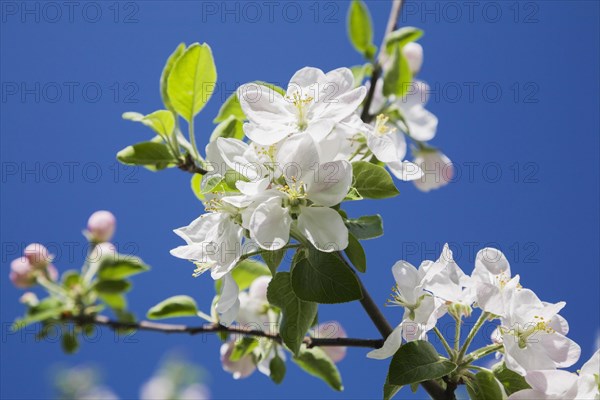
x=314, y=103
x=563, y=385
x=22, y=273
x=533, y=335
x=437, y=169
x=413, y=52
x=101, y=226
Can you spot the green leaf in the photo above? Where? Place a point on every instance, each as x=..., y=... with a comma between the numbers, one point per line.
x=112, y=287
x=176, y=306
x=192, y=80
x=353, y=195
x=401, y=37
x=273, y=259
x=373, y=181
x=297, y=314
x=245, y=272
x=161, y=121
x=485, y=386
x=49, y=308
x=71, y=278
x=231, y=127
x=356, y=253
x=196, y=185
x=389, y=390
x=165, y=75
x=511, y=381
x=398, y=78
x=277, y=368
x=324, y=278
x=152, y=154
x=365, y=227
x=360, y=29
x=118, y=266
x=231, y=108
x=316, y=362
x=417, y=361
x=69, y=342
x=242, y=347
x=115, y=301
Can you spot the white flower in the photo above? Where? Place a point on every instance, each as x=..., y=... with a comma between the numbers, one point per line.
x=448, y=282
x=314, y=103
x=228, y=304
x=437, y=170
x=422, y=124
x=310, y=188
x=330, y=330
x=562, y=385
x=254, y=306
x=533, y=335
x=492, y=280
x=389, y=146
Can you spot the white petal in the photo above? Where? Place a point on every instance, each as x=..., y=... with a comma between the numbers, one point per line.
x=253, y=188
x=562, y=350
x=263, y=105
x=270, y=225
x=493, y=261
x=304, y=78
x=329, y=183
x=408, y=281
x=342, y=106
x=196, y=231
x=390, y=147
x=266, y=137
x=530, y=394
x=390, y=346
x=228, y=304
x=297, y=157
x=324, y=228
x=405, y=170
x=552, y=382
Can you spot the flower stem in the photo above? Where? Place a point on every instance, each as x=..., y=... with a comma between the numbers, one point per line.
x=484, y=351
x=457, y=334
x=444, y=342
x=471, y=336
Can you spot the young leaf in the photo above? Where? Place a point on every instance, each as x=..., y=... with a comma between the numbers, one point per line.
x=242, y=347
x=116, y=301
x=401, y=37
x=324, y=278
x=417, y=361
x=356, y=254
x=71, y=278
x=373, y=181
x=48, y=308
x=112, y=287
x=231, y=108
x=398, y=78
x=511, y=381
x=360, y=72
x=485, y=386
x=152, y=154
x=365, y=227
x=360, y=29
x=161, y=121
x=273, y=259
x=297, y=314
x=196, y=185
x=166, y=72
x=316, y=362
x=176, y=306
x=117, y=267
x=192, y=80
x=231, y=127
x=277, y=368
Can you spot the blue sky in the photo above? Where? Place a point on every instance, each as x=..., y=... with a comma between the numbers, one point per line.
x=515, y=87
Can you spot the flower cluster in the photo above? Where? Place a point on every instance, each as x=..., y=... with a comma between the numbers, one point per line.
x=530, y=337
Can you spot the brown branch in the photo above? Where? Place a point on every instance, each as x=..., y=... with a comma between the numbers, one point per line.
x=310, y=342
x=188, y=165
x=377, y=70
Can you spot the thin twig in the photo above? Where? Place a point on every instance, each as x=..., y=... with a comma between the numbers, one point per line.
x=310, y=342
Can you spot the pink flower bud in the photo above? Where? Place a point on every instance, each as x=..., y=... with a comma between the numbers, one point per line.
x=30, y=299
x=102, y=250
x=242, y=368
x=437, y=170
x=101, y=226
x=37, y=255
x=22, y=273
x=331, y=330
x=52, y=272
x=413, y=52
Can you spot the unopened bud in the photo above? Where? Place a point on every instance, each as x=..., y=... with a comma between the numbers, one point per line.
x=22, y=273
x=437, y=170
x=101, y=226
x=413, y=52
x=29, y=299
x=37, y=255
